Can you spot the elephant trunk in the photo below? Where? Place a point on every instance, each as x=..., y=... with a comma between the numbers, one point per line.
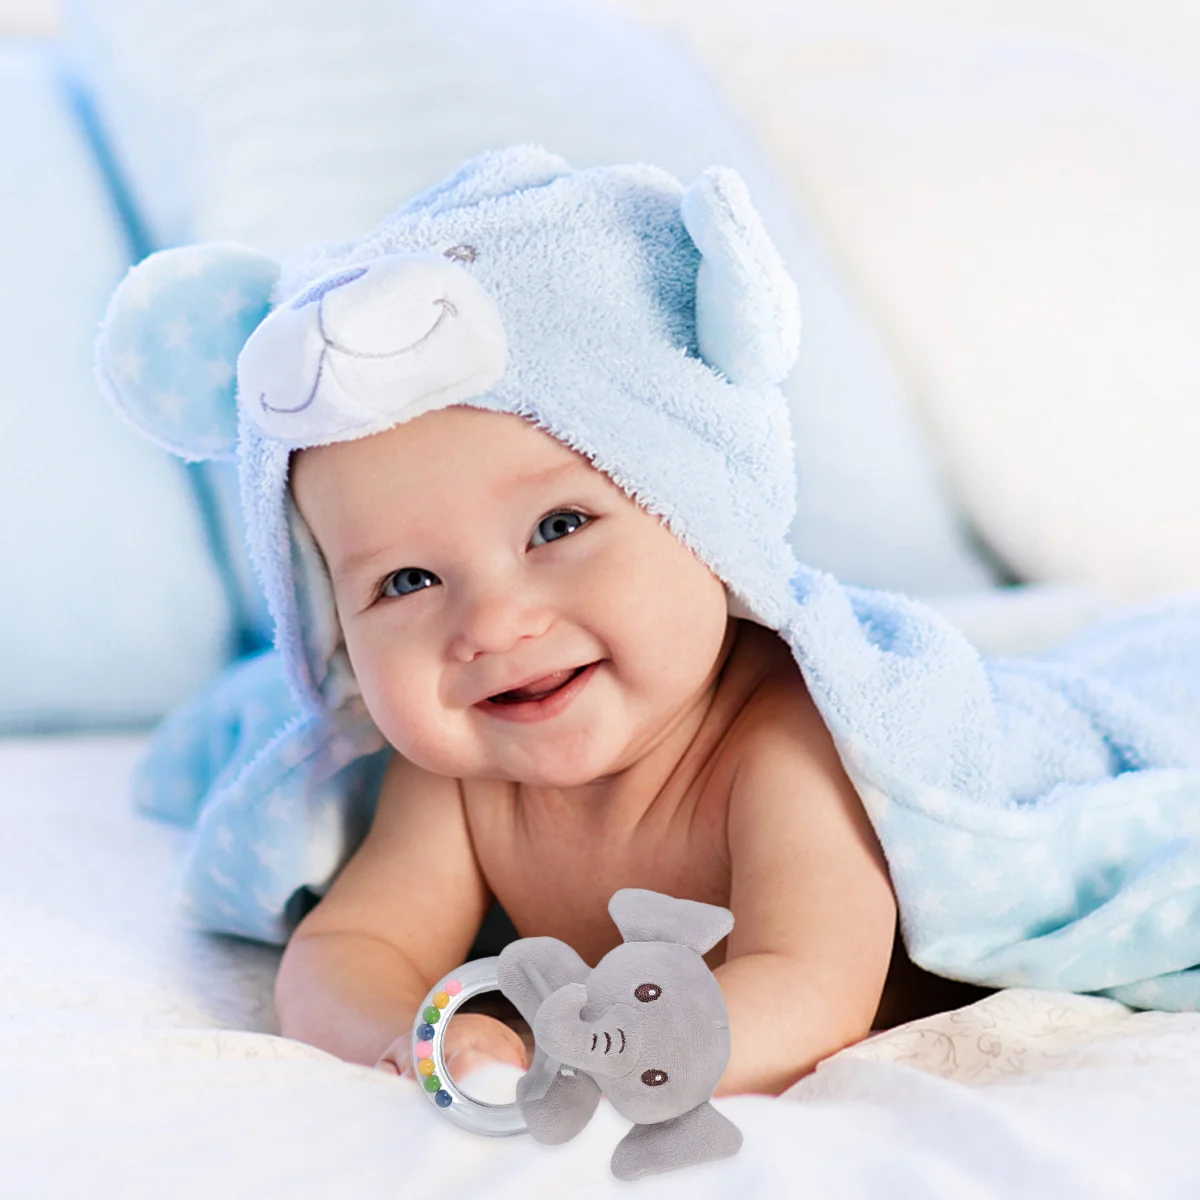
x=605, y=1048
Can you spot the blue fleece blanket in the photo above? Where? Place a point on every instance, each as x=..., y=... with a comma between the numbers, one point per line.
x=1040, y=816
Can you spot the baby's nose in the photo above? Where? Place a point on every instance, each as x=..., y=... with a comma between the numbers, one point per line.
x=495, y=621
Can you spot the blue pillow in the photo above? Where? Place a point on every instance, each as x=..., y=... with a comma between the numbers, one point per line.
x=111, y=608
x=283, y=122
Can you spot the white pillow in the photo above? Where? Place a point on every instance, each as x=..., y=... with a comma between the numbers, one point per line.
x=282, y=122
x=111, y=610
x=1022, y=215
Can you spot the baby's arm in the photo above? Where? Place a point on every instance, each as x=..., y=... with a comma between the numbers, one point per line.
x=401, y=914
x=814, y=911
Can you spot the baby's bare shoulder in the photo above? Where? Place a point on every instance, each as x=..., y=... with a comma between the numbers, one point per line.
x=778, y=708
x=800, y=844
x=783, y=745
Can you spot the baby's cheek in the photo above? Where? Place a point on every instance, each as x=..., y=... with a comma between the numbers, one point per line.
x=390, y=692
x=414, y=726
x=405, y=724
x=672, y=621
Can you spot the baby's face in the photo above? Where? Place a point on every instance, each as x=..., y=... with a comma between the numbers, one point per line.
x=471, y=552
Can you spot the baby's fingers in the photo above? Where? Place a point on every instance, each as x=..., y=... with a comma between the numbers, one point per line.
x=481, y=1037
x=464, y=1062
x=397, y=1058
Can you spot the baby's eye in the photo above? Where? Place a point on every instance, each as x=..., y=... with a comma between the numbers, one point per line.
x=558, y=524
x=408, y=580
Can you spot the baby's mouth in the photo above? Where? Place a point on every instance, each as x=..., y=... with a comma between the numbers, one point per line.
x=539, y=689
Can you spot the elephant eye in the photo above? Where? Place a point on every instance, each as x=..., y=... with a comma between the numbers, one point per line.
x=646, y=992
x=654, y=1077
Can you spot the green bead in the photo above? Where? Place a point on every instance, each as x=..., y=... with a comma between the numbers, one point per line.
x=432, y=1083
x=432, y=1014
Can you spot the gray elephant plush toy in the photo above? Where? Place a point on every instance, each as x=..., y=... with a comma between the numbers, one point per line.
x=647, y=1025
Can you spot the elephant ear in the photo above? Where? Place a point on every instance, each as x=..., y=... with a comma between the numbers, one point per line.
x=645, y=916
x=747, y=308
x=167, y=352
x=530, y=969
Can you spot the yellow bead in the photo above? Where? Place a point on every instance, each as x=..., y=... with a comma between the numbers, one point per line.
x=425, y=1066
x=441, y=999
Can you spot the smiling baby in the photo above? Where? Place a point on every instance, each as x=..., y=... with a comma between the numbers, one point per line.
x=517, y=478
x=574, y=711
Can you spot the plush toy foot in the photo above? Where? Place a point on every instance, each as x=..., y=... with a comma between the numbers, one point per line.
x=697, y=1136
x=562, y=1104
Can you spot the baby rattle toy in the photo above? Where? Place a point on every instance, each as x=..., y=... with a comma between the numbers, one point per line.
x=647, y=1024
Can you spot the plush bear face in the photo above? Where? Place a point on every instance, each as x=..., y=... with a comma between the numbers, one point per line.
x=386, y=340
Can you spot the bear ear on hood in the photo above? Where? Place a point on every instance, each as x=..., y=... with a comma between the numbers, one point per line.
x=747, y=308
x=166, y=355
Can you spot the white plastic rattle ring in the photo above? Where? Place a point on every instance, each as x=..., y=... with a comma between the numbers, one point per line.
x=429, y=1063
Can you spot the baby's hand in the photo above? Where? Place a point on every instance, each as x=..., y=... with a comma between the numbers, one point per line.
x=471, y=1041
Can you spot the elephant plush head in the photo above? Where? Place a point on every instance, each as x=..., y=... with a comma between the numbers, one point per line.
x=647, y=1025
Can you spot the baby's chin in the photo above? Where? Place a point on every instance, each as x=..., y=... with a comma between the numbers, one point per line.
x=558, y=780
x=545, y=774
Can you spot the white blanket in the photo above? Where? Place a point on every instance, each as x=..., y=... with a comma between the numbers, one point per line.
x=139, y=1059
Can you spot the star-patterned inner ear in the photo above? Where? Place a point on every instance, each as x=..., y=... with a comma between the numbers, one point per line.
x=167, y=352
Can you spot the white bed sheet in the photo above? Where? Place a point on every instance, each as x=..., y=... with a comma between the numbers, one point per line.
x=139, y=1059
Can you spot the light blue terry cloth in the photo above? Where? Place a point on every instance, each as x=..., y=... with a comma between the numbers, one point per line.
x=279, y=799
x=1036, y=813
x=1040, y=816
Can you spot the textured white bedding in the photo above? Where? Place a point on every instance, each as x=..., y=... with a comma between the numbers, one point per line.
x=137, y=1059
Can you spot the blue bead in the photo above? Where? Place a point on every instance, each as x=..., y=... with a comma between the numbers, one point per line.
x=425, y=1032
x=443, y=1098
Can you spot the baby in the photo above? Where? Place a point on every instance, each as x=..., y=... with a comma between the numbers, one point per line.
x=517, y=479
x=574, y=711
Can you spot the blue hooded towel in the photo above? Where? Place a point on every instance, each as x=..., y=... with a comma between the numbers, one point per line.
x=1040, y=816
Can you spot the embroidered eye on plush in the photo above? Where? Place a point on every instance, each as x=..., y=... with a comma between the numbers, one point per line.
x=408, y=580
x=557, y=525
x=646, y=992
x=467, y=254
x=654, y=1077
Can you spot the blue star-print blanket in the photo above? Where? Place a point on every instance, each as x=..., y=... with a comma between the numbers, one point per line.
x=1040, y=816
